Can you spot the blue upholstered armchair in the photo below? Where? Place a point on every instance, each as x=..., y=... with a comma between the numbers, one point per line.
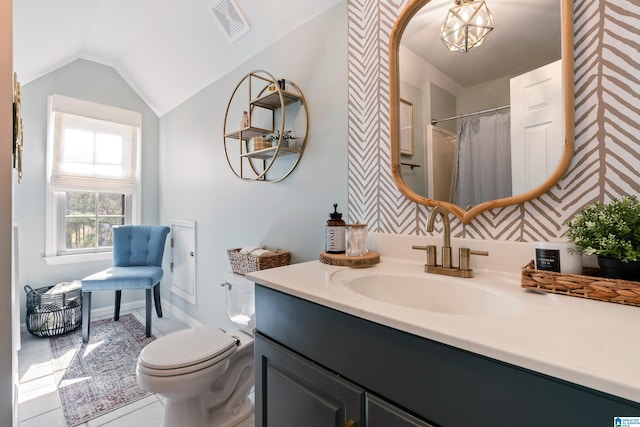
x=137, y=264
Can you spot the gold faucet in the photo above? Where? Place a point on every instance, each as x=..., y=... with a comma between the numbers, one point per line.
x=464, y=268
x=446, y=233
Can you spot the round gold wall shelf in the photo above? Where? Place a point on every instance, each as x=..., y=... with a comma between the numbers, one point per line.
x=265, y=127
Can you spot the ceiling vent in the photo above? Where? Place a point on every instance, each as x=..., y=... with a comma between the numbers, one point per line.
x=230, y=18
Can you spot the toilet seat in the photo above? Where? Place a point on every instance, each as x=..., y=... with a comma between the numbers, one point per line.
x=186, y=351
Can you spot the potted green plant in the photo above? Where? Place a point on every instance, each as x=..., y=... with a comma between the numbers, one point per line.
x=612, y=232
x=287, y=137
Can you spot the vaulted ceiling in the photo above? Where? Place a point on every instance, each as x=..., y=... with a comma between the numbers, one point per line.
x=167, y=50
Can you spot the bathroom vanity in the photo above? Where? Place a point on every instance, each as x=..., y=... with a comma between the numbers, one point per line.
x=327, y=355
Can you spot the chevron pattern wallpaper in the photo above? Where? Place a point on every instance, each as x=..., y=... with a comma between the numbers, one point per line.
x=606, y=161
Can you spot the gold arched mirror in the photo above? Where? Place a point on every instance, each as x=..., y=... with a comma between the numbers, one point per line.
x=490, y=127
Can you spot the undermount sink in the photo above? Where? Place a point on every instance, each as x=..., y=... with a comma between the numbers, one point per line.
x=427, y=292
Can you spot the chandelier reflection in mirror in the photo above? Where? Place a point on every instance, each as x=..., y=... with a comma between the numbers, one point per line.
x=466, y=25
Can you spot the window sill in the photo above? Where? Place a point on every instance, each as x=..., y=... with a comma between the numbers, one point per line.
x=77, y=258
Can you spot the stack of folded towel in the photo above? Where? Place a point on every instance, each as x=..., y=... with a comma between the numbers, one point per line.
x=64, y=287
x=254, y=250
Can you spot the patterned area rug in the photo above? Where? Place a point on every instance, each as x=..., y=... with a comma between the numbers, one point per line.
x=100, y=376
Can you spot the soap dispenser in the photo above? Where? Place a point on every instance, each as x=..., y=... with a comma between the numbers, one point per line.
x=335, y=232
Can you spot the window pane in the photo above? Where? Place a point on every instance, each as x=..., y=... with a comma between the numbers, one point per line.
x=90, y=217
x=110, y=213
x=108, y=155
x=111, y=204
x=77, y=151
x=81, y=204
x=81, y=233
x=105, y=225
x=77, y=146
x=108, y=149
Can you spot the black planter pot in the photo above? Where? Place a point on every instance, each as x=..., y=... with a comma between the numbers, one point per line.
x=616, y=269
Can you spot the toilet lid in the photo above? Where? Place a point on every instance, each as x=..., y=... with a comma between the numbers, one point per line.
x=189, y=347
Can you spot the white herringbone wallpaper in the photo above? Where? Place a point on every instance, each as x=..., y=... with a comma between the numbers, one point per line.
x=607, y=126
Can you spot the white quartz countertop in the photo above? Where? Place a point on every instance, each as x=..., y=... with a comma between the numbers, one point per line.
x=591, y=343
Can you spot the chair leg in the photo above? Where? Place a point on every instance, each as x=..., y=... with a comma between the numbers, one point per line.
x=116, y=313
x=148, y=311
x=86, y=316
x=156, y=299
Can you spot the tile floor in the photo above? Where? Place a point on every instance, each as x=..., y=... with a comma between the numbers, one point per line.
x=39, y=403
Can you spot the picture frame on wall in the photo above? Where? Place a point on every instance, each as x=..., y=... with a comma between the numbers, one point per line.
x=406, y=128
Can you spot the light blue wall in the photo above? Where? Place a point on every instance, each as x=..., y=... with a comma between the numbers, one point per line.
x=197, y=184
x=92, y=82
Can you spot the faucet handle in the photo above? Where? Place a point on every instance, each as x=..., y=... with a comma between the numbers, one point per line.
x=431, y=253
x=431, y=256
x=465, y=257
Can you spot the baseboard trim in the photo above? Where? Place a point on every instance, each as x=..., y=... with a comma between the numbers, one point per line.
x=181, y=315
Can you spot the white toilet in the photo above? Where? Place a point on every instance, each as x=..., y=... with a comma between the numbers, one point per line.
x=205, y=374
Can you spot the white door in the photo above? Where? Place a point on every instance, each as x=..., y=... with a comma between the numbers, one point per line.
x=537, y=134
x=183, y=259
x=442, y=157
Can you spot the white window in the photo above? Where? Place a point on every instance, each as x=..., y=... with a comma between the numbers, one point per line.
x=93, y=157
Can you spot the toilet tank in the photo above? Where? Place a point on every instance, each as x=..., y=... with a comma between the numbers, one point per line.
x=240, y=301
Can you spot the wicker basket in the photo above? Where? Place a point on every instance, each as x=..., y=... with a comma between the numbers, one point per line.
x=587, y=285
x=246, y=263
x=49, y=315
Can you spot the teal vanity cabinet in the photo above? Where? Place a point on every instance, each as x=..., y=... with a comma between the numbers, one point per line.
x=295, y=391
x=316, y=366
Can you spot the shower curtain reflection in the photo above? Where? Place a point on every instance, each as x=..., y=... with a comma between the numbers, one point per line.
x=484, y=160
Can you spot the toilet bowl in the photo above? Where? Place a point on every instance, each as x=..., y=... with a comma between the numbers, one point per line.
x=204, y=374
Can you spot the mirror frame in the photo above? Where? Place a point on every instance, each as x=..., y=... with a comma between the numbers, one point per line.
x=566, y=11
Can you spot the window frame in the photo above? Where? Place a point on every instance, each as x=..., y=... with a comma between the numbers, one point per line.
x=55, y=252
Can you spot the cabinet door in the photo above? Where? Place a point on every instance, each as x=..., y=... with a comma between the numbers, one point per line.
x=183, y=259
x=292, y=391
x=383, y=414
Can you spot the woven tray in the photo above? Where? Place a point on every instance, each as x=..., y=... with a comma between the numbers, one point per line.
x=246, y=263
x=587, y=285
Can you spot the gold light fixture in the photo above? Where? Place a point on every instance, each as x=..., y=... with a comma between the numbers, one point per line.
x=466, y=25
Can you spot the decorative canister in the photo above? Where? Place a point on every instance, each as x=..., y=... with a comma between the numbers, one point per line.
x=559, y=257
x=335, y=232
x=244, y=121
x=356, y=243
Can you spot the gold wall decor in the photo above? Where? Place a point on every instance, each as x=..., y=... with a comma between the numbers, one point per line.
x=560, y=11
x=267, y=106
x=17, y=128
